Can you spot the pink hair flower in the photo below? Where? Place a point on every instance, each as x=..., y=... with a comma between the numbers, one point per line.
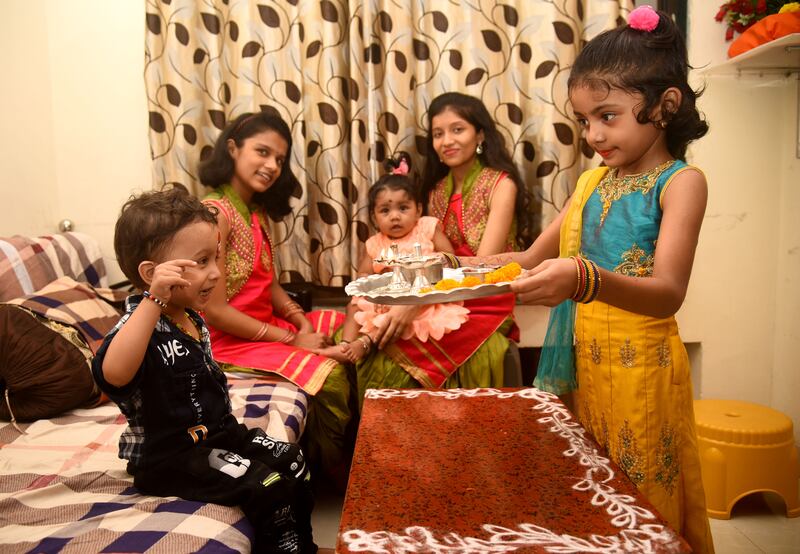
x=643, y=18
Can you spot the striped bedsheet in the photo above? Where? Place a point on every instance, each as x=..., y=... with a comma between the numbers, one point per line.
x=29, y=263
x=63, y=488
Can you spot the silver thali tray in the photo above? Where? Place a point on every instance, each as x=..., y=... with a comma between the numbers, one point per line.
x=374, y=289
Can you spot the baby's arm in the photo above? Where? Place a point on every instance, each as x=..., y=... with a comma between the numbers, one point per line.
x=364, y=265
x=126, y=351
x=440, y=241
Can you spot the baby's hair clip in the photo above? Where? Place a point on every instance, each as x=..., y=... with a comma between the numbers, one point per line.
x=643, y=18
x=401, y=169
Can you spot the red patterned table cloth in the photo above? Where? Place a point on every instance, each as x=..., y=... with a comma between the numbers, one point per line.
x=488, y=470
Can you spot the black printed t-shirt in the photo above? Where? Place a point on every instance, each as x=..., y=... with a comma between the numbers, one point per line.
x=177, y=397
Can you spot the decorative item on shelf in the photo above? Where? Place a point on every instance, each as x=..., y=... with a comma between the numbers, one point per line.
x=768, y=29
x=740, y=15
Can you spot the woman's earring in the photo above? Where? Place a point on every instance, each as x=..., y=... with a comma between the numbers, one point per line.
x=479, y=149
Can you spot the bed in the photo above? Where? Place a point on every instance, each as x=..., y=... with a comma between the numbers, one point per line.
x=63, y=487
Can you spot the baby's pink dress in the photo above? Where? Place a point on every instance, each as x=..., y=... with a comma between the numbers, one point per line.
x=435, y=319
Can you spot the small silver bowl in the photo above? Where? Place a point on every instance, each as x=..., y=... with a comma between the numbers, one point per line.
x=479, y=272
x=432, y=272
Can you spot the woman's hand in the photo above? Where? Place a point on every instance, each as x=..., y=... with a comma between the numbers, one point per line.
x=311, y=341
x=549, y=283
x=304, y=326
x=394, y=324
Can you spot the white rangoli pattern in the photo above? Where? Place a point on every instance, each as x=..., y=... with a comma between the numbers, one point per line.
x=635, y=534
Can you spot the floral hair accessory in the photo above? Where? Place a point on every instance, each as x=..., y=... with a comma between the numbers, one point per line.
x=643, y=18
x=401, y=169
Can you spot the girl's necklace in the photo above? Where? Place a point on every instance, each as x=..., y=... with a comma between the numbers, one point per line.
x=611, y=188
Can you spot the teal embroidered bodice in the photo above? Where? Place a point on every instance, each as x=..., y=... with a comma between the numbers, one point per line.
x=622, y=217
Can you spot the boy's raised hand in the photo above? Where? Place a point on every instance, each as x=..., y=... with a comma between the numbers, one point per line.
x=167, y=275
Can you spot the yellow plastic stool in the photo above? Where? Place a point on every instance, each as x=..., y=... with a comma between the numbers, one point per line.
x=745, y=448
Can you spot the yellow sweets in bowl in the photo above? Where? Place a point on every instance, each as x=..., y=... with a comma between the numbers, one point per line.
x=508, y=272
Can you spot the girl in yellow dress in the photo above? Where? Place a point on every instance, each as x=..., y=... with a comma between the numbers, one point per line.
x=616, y=265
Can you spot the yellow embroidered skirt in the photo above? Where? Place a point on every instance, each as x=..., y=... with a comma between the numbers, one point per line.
x=635, y=396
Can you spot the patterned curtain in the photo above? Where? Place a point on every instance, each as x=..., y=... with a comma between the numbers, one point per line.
x=354, y=78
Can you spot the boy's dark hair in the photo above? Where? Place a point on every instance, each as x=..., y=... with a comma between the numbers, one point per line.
x=218, y=168
x=647, y=62
x=148, y=222
x=495, y=155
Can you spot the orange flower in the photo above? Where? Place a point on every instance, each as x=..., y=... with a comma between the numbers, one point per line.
x=508, y=272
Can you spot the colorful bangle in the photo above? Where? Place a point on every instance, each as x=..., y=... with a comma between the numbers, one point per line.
x=589, y=280
x=452, y=260
x=160, y=303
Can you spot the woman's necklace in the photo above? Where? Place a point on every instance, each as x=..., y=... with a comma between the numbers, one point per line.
x=611, y=188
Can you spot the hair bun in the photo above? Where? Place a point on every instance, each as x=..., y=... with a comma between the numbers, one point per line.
x=400, y=164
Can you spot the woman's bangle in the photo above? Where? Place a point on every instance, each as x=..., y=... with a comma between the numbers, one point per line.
x=160, y=303
x=290, y=308
x=261, y=332
x=288, y=337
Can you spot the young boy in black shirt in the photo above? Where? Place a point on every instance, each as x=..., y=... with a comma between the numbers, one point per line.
x=156, y=365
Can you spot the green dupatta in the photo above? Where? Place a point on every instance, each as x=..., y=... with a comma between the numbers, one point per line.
x=556, y=372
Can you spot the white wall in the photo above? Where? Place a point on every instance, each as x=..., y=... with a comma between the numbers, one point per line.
x=28, y=183
x=743, y=304
x=74, y=139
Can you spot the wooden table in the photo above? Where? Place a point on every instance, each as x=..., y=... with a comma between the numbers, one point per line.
x=488, y=470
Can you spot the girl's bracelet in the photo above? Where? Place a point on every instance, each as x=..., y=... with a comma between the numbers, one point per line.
x=589, y=280
x=160, y=303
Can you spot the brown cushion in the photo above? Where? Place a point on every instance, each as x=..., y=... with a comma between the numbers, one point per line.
x=42, y=374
